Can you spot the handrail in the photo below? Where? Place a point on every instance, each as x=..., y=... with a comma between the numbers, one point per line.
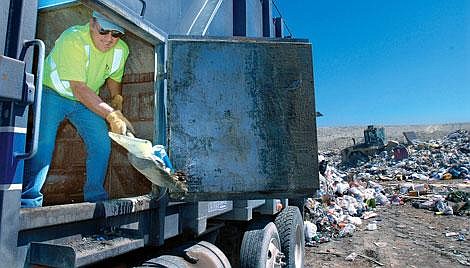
x=38, y=95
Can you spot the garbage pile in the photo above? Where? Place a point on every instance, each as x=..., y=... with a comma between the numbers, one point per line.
x=418, y=173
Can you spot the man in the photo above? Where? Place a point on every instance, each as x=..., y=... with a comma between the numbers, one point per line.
x=84, y=58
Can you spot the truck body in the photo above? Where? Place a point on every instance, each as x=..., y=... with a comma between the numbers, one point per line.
x=235, y=111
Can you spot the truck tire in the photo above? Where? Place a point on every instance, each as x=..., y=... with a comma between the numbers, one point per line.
x=289, y=224
x=261, y=247
x=300, y=203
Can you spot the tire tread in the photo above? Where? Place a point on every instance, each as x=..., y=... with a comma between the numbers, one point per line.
x=285, y=222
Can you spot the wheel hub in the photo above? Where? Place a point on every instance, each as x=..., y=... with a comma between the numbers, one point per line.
x=275, y=256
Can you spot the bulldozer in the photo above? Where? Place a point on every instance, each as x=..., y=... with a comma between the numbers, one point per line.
x=374, y=142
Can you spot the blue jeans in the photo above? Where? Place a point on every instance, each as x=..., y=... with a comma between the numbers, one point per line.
x=91, y=128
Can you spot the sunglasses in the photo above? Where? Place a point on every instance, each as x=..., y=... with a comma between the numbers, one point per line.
x=102, y=31
x=114, y=33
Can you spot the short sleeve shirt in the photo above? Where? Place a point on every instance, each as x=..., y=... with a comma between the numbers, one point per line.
x=75, y=58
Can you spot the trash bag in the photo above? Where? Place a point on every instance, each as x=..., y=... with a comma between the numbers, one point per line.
x=442, y=207
x=310, y=230
x=461, y=200
x=152, y=162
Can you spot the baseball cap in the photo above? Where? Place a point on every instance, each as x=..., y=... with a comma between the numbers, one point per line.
x=105, y=23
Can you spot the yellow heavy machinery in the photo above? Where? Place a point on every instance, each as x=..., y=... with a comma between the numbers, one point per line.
x=374, y=142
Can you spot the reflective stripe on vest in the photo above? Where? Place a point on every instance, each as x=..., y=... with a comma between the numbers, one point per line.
x=117, y=57
x=87, y=51
x=60, y=85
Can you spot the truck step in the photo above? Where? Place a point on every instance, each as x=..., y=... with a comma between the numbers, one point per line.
x=81, y=252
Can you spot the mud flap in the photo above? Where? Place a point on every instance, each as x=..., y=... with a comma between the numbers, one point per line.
x=141, y=156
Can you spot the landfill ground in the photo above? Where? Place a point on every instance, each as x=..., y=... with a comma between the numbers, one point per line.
x=412, y=221
x=405, y=237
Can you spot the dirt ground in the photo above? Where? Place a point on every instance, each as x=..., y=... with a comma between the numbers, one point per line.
x=405, y=237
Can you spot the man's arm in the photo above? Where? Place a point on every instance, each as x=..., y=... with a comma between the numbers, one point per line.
x=118, y=123
x=88, y=98
x=115, y=89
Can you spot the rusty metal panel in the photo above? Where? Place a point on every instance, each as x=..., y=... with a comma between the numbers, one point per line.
x=241, y=117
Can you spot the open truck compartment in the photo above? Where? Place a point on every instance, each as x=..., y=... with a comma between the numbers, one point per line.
x=67, y=173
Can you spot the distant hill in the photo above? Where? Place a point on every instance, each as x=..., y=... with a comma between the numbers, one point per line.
x=341, y=137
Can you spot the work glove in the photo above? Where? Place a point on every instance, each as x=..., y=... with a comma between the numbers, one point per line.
x=116, y=102
x=119, y=124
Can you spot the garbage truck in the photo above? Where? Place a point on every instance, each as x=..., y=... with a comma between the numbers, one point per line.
x=216, y=84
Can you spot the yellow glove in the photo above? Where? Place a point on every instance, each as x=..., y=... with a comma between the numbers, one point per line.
x=116, y=102
x=118, y=123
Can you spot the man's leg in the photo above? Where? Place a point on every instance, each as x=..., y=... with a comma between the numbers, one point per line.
x=94, y=132
x=53, y=109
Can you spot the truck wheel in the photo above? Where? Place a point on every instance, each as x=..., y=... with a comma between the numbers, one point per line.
x=200, y=255
x=261, y=247
x=290, y=226
x=208, y=255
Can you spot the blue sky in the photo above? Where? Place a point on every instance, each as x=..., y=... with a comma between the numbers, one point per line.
x=386, y=62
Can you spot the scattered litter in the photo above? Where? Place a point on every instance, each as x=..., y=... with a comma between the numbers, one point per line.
x=415, y=172
x=351, y=257
x=380, y=244
x=339, y=254
x=369, y=215
x=310, y=231
x=372, y=226
x=370, y=259
x=452, y=234
x=348, y=230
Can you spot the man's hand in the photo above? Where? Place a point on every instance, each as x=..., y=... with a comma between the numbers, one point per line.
x=118, y=123
x=116, y=102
